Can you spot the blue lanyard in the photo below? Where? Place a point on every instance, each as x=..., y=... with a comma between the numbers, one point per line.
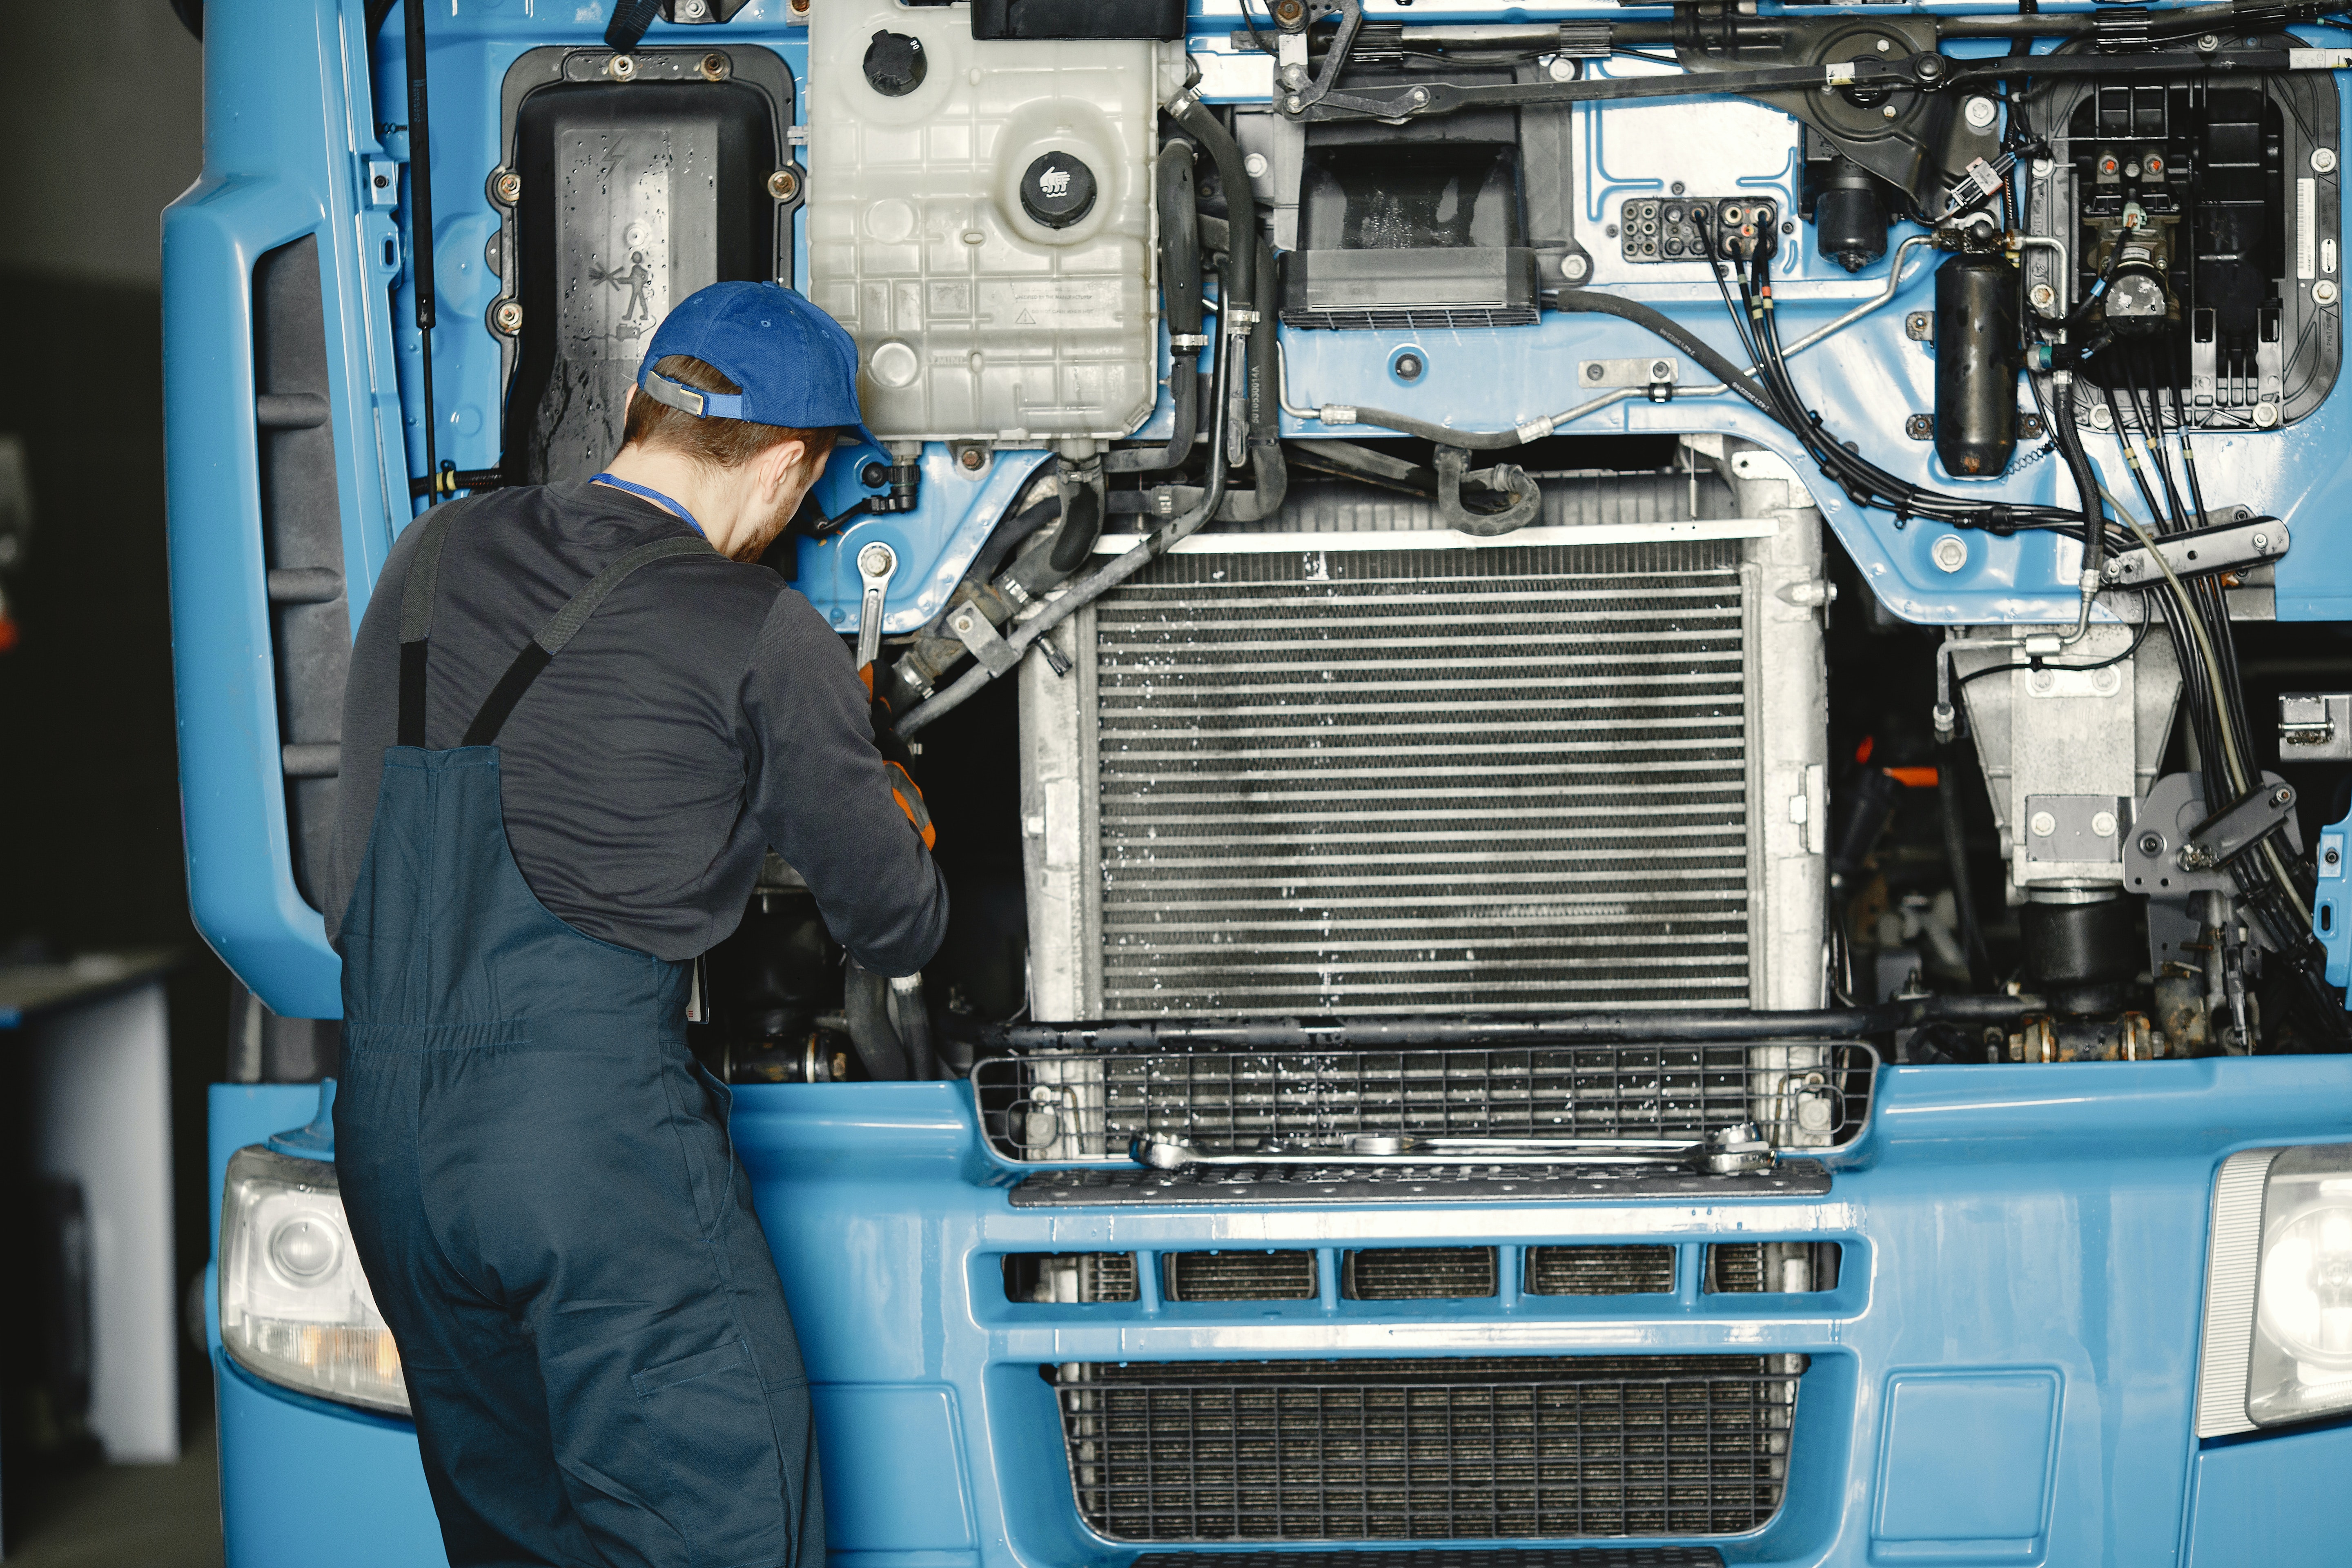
x=648, y=493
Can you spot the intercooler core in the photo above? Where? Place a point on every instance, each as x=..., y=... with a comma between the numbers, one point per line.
x=1319, y=775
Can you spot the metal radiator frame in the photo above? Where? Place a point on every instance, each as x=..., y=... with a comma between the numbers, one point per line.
x=1783, y=592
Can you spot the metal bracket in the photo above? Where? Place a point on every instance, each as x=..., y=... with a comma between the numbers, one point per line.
x=2222, y=837
x=2316, y=726
x=2251, y=542
x=1656, y=374
x=986, y=643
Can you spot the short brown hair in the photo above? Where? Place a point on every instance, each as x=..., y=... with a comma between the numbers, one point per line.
x=721, y=443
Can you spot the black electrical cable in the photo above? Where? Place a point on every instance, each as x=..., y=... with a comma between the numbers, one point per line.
x=1594, y=302
x=420, y=231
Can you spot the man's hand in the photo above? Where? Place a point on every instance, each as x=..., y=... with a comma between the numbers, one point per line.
x=899, y=760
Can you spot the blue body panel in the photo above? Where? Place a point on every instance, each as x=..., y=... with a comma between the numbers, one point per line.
x=293, y=106
x=2004, y=1373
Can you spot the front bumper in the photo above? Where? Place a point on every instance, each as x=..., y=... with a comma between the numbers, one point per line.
x=2004, y=1373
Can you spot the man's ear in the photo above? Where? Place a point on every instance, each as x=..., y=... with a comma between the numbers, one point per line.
x=778, y=466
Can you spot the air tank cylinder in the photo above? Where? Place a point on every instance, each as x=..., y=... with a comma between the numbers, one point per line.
x=1979, y=328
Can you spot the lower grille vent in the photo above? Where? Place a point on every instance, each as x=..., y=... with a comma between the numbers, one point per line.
x=1739, y=1267
x=1600, y=1271
x=1428, y=1557
x=1241, y=1277
x=1420, y=1274
x=1474, y=1449
x=1075, y=1276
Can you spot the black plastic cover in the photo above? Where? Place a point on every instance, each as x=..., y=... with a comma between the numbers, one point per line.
x=1157, y=19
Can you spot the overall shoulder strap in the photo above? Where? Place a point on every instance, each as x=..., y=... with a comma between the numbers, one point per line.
x=560, y=629
x=417, y=620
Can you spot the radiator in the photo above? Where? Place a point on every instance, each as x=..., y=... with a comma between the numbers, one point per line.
x=1472, y=1449
x=1316, y=773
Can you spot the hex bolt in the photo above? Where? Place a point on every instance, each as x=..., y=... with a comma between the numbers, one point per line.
x=876, y=560
x=2261, y=541
x=2150, y=845
x=2322, y=159
x=1660, y=369
x=1951, y=552
x=2208, y=42
x=2103, y=825
x=971, y=460
x=1890, y=111
x=1574, y=267
x=2044, y=298
x=1289, y=13
x=783, y=184
x=713, y=66
x=508, y=317
x=1979, y=113
x=2281, y=796
x=1562, y=68
x=1255, y=165
x=2324, y=291
x=2043, y=824
x=509, y=186
x=1421, y=95
x=621, y=68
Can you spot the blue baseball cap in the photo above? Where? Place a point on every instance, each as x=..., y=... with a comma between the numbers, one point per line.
x=797, y=366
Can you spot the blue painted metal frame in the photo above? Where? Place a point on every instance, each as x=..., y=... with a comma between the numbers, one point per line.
x=293, y=109
x=2001, y=1223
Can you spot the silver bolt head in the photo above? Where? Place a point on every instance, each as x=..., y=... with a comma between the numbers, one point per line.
x=2208, y=42
x=1979, y=113
x=1951, y=552
x=2103, y=825
x=1890, y=111
x=2267, y=414
x=1255, y=165
x=2261, y=541
x=876, y=559
x=2102, y=417
x=1421, y=95
x=2044, y=297
x=1292, y=103
x=2324, y=291
x=2322, y=159
x=1562, y=68
x=2043, y=824
x=1573, y=267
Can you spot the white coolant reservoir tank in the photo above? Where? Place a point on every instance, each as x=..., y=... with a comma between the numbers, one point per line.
x=980, y=219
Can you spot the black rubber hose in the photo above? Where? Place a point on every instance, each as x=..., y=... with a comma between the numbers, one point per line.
x=1237, y=284
x=1009, y=537
x=1592, y=302
x=1265, y=398
x=1180, y=307
x=1082, y=520
x=865, y=998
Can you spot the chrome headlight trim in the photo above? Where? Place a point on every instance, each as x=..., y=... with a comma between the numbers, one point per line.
x=2233, y=1267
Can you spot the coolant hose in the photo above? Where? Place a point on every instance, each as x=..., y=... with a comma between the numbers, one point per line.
x=1009, y=535
x=1524, y=505
x=1238, y=295
x=1102, y=580
x=1180, y=308
x=866, y=999
x=1266, y=460
x=1082, y=517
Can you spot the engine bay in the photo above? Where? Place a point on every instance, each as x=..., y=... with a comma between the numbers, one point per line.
x=1388, y=511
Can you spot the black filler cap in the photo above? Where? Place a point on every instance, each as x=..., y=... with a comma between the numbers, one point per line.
x=1059, y=190
x=894, y=64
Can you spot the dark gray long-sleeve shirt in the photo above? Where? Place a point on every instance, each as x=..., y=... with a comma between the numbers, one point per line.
x=705, y=712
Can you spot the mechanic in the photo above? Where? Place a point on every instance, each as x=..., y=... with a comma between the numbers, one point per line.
x=577, y=716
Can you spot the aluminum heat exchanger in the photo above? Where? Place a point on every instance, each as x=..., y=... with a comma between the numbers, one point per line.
x=1339, y=776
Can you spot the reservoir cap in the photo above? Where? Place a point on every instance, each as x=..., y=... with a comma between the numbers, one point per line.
x=1059, y=190
x=894, y=64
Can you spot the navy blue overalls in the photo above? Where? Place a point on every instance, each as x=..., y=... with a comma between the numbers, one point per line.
x=542, y=1191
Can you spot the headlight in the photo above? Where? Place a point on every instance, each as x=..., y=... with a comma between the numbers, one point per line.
x=2278, y=1296
x=294, y=1306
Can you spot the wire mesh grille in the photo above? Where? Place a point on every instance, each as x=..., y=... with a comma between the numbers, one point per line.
x=1418, y=1273
x=1479, y=1448
x=1587, y=1269
x=1076, y=1106
x=1306, y=799
x=1240, y=1276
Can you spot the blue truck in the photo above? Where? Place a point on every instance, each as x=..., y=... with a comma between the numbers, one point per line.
x=1626, y=890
